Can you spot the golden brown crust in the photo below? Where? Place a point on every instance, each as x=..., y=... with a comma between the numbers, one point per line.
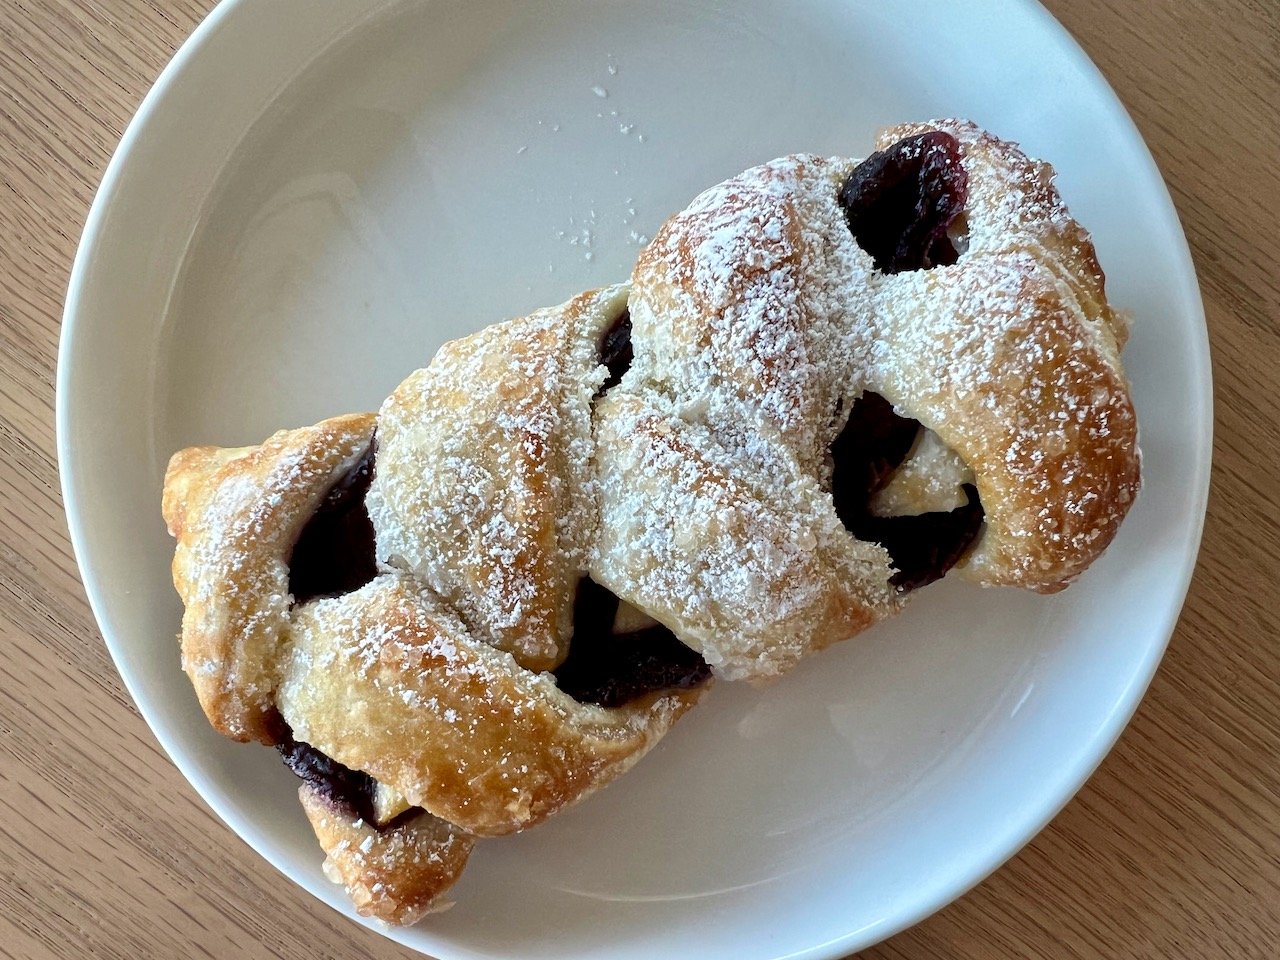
x=1012, y=357
x=236, y=515
x=715, y=481
x=398, y=679
x=394, y=875
x=483, y=489
x=698, y=490
x=1007, y=380
x=386, y=681
x=757, y=314
x=1014, y=207
x=750, y=577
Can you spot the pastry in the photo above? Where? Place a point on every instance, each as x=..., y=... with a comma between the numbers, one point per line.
x=382, y=599
x=929, y=324
x=829, y=382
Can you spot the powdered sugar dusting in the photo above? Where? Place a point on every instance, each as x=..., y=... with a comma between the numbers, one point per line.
x=758, y=318
x=239, y=513
x=386, y=680
x=697, y=489
x=486, y=496
x=734, y=271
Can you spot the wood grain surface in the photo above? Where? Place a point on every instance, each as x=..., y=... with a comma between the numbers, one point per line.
x=1173, y=848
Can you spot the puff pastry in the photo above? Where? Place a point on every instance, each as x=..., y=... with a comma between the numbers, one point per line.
x=828, y=382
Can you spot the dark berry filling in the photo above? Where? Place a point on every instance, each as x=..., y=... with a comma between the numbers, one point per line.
x=925, y=546
x=613, y=669
x=900, y=201
x=349, y=790
x=874, y=441
x=335, y=552
x=615, y=351
x=872, y=444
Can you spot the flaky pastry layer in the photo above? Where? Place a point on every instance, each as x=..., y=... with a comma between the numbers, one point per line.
x=697, y=488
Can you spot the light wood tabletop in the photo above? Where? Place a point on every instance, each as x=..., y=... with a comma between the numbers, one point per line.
x=1172, y=850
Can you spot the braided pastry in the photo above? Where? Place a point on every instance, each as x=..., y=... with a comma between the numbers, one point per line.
x=828, y=383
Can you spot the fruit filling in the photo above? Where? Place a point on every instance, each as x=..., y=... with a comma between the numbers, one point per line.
x=923, y=547
x=615, y=351
x=351, y=791
x=335, y=551
x=347, y=789
x=902, y=203
x=613, y=668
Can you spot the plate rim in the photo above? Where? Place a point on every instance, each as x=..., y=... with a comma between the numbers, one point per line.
x=1014, y=839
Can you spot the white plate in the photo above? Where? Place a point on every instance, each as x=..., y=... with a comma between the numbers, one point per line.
x=314, y=196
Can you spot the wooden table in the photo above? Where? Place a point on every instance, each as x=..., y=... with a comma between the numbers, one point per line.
x=1171, y=851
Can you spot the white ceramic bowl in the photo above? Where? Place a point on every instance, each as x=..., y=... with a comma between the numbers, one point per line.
x=315, y=196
